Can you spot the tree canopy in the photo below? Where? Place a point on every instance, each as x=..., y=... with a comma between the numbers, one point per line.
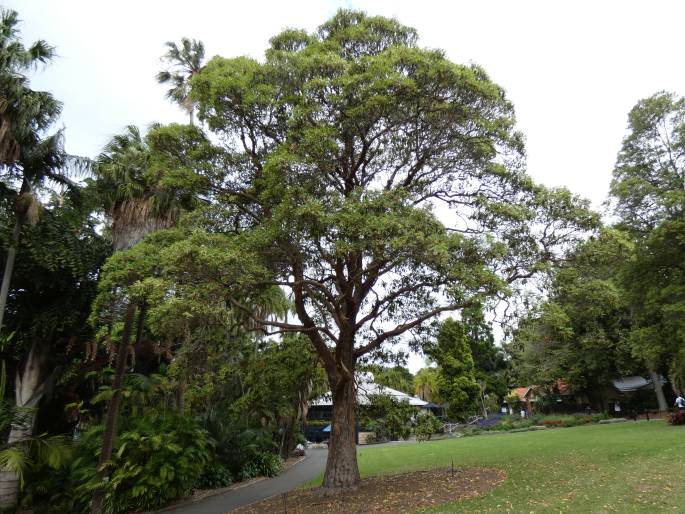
x=339, y=147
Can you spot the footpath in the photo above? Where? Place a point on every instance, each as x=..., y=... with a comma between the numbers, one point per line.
x=304, y=471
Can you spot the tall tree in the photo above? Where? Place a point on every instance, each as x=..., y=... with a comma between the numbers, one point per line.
x=456, y=372
x=183, y=64
x=648, y=185
x=489, y=359
x=144, y=184
x=648, y=193
x=578, y=333
x=337, y=147
x=28, y=156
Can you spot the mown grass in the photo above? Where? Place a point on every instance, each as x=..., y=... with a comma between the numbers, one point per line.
x=627, y=467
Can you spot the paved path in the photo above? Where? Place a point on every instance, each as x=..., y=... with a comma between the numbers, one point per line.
x=302, y=472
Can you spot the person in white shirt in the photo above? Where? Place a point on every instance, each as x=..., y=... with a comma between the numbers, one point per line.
x=680, y=402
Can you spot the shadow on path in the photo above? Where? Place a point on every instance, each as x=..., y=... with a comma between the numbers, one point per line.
x=296, y=475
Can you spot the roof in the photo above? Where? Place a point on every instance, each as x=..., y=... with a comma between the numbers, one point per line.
x=366, y=388
x=634, y=383
x=521, y=392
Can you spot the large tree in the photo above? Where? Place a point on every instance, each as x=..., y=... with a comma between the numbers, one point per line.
x=338, y=148
x=577, y=334
x=648, y=193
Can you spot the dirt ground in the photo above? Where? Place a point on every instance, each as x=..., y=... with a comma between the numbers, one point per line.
x=388, y=494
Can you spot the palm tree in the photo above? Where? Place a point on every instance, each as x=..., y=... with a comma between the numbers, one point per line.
x=22, y=111
x=426, y=384
x=27, y=158
x=183, y=63
x=137, y=204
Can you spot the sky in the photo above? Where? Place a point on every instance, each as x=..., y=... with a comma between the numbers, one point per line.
x=573, y=69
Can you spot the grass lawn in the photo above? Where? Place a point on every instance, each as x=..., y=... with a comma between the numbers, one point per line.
x=626, y=467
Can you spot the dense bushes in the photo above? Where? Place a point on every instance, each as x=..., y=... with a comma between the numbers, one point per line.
x=158, y=457
x=242, y=451
x=388, y=418
x=508, y=423
x=160, y=460
x=677, y=418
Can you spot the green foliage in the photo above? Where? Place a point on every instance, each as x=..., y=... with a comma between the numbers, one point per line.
x=340, y=143
x=456, y=380
x=155, y=464
x=215, y=476
x=389, y=418
x=648, y=178
x=397, y=377
x=54, y=279
x=183, y=63
x=158, y=457
x=426, y=426
x=426, y=385
x=492, y=371
x=578, y=334
x=24, y=113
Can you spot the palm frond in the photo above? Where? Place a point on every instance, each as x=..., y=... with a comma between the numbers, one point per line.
x=17, y=460
x=55, y=451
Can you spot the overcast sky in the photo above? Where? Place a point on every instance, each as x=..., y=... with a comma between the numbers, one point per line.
x=573, y=69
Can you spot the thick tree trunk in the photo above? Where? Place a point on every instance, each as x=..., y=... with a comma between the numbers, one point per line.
x=96, y=506
x=22, y=429
x=658, y=389
x=342, y=471
x=9, y=269
x=29, y=389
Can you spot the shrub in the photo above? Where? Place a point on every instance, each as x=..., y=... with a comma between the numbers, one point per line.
x=157, y=458
x=426, y=425
x=677, y=418
x=156, y=463
x=215, y=475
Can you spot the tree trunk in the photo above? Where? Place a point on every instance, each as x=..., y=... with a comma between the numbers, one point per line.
x=658, y=389
x=29, y=390
x=181, y=395
x=22, y=429
x=9, y=268
x=342, y=471
x=96, y=506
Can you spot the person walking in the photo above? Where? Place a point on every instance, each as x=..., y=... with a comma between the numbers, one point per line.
x=680, y=402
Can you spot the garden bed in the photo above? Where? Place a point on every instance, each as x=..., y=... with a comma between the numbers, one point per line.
x=388, y=494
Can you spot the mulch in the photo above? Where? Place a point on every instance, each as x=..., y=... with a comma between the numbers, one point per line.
x=387, y=494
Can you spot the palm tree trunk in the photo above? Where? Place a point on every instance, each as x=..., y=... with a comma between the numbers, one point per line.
x=9, y=268
x=96, y=506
